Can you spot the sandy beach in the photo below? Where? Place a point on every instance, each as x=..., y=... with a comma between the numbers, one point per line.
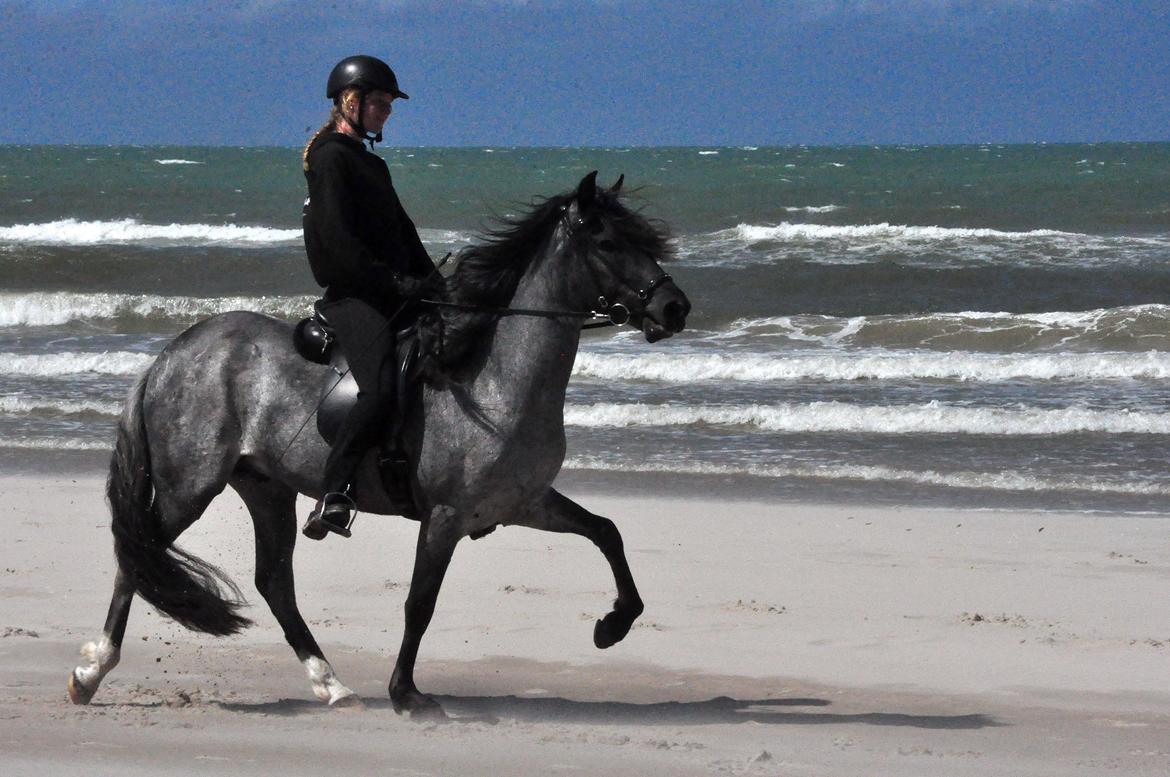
x=778, y=639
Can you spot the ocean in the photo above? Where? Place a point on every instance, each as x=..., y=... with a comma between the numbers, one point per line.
x=952, y=326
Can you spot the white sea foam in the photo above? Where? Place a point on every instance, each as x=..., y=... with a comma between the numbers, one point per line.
x=445, y=236
x=55, y=444
x=177, y=162
x=131, y=231
x=20, y=405
x=56, y=308
x=991, y=481
x=752, y=233
x=830, y=417
x=940, y=246
x=885, y=365
x=812, y=208
x=57, y=364
x=1144, y=326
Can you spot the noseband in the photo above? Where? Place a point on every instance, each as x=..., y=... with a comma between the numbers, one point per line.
x=618, y=313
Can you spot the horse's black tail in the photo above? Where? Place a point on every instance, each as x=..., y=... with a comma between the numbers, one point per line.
x=173, y=581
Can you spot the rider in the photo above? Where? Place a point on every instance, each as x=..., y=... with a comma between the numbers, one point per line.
x=365, y=251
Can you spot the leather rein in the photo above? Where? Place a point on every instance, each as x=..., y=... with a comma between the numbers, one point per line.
x=614, y=314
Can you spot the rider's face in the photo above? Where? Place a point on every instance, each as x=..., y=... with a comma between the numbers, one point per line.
x=376, y=110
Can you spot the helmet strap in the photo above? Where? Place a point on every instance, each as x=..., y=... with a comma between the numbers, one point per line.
x=369, y=137
x=359, y=126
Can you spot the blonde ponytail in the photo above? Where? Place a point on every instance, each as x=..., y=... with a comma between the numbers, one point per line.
x=335, y=116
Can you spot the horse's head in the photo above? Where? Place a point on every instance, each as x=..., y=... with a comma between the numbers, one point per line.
x=619, y=250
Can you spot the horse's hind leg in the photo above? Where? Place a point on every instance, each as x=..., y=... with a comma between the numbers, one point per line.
x=103, y=655
x=558, y=513
x=176, y=514
x=273, y=510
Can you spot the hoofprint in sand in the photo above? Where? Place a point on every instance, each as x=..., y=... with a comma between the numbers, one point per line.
x=778, y=639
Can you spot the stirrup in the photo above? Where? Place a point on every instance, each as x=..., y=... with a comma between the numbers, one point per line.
x=335, y=512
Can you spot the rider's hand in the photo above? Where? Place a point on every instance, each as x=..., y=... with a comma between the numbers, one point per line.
x=412, y=287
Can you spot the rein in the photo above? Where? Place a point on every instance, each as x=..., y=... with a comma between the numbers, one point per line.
x=612, y=318
x=615, y=314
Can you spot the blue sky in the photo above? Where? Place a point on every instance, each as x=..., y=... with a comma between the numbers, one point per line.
x=593, y=72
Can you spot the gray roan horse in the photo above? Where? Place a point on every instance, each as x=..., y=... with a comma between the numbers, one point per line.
x=222, y=402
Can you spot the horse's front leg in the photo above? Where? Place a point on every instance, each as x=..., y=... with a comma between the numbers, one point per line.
x=437, y=537
x=558, y=513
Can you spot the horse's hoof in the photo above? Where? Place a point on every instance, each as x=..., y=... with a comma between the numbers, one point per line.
x=350, y=701
x=418, y=707
x=78, y=693
x=610, y=630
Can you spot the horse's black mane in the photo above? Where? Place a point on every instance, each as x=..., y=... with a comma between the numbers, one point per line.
x=487, y=273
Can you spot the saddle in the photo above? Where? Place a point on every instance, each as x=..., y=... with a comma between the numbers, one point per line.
x=315, y=341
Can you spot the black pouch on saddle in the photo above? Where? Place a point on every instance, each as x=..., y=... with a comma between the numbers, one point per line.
x=313, y=338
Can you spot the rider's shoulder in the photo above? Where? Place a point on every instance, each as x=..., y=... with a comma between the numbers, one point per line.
x=333, y=146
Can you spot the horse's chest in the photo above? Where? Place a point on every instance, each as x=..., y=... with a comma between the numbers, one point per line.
x=508, y=456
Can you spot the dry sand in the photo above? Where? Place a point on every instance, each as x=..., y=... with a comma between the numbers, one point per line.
x=777, y=640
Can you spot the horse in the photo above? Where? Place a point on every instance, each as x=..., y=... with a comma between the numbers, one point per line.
x=221, y=404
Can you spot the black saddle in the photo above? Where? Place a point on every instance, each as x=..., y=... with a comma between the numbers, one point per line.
x=314, y=340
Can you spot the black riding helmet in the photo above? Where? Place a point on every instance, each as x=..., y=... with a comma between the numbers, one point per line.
x=367, y=74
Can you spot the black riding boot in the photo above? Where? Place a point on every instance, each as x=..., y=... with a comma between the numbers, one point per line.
x=367, y=339
x=334, y=513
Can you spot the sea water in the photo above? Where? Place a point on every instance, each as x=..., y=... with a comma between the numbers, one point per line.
x=985, y=325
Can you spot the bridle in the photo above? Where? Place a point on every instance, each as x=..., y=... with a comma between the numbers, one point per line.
x=605, y=313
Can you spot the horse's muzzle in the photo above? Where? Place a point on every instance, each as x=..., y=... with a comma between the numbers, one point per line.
x=666, y=313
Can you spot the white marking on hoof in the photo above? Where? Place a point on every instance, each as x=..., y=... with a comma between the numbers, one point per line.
x=326, y=686
x=101, y=657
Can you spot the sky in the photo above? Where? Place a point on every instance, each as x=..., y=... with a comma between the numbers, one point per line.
x=592, y=72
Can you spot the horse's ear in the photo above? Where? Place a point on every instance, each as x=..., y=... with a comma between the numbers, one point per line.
x=587, y=189
x=617, y=187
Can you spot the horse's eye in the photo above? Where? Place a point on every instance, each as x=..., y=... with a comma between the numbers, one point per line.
x=608, y=246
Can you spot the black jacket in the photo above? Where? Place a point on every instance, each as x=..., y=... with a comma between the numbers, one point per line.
x=359, y=239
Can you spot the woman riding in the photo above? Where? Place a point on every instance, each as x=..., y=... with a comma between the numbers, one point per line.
x=365, y=251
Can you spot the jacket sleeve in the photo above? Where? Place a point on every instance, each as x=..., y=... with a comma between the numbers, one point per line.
x=421, y=264
x=344, y=259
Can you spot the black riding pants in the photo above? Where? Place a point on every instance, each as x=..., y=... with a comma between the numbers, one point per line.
x=366, y=337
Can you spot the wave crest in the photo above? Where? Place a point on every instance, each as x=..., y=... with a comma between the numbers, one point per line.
x=130, y=231
x=992, y=481
x=58, y=364
x=891, y=366
x=56, y=308
x=837, y=417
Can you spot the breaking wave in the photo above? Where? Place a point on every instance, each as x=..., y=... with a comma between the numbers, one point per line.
x=73, y=232
x=830, y=417
x=19, y=405
x=992, y=481
x=56, y=308
x=1136, y=327
x=55, y=444
x=748, y=244
x=884, y=365
x=57, y=364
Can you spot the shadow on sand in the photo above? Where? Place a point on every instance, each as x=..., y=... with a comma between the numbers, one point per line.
x=720, y=710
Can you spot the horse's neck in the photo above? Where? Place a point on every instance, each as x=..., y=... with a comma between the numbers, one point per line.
x=530, y=355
